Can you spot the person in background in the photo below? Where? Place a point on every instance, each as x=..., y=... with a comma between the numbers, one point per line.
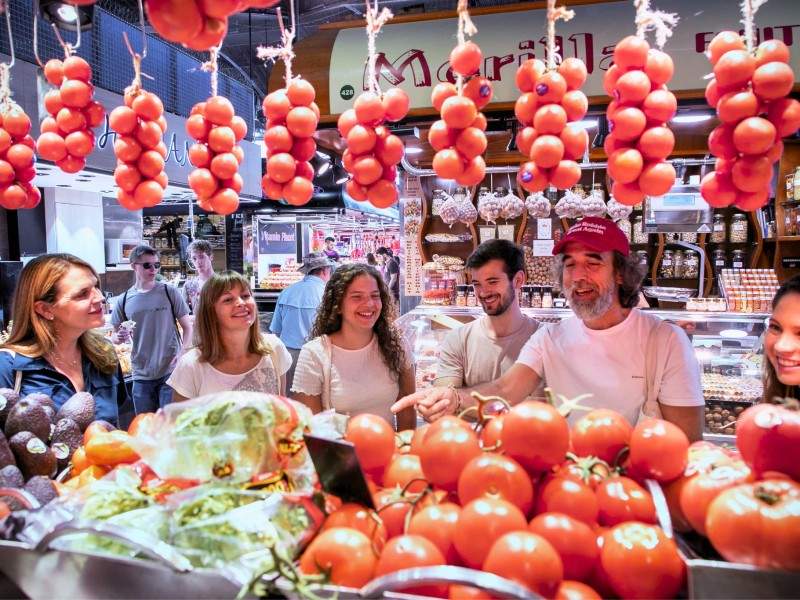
x=782, y=343
x=230, y=353
x=358, y=361
x=629, y=361
x=330, y=249
x=484, y=349
x=201, y=255
x=156, y=309
x=391, y=270
x=297, y=306
x=55, y=347
x=371, y=260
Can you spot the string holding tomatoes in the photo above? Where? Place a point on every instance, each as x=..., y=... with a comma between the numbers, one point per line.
x=66, y=136
x=16, y=159
x=750, y=94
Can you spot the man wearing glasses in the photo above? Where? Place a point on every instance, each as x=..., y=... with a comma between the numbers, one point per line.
x=155, y=309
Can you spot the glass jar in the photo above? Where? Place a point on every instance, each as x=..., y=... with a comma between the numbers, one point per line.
x=789, y=221
x=525, y=297
x=472, y=300
x=536, y=298
x=639, y=236
x=719, y=260
x=796, y=182
x=718, y=229
x=738, y=233
x=461, y=295
x=689, y=237
x=667, y=268
x=678, y=258
x=691, y=265
x=738, y=259
x=547, y=298
x=626, y=228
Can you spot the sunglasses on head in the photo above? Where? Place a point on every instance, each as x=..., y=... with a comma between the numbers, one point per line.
x=150, y=265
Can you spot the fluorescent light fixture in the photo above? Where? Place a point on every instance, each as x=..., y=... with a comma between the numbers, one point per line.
x=732, y=334
x=691, y=118
x=67, y=13
x=586, y=123
x=323, y=155
x=342, y=180
x=323, y=168
x=414, y=150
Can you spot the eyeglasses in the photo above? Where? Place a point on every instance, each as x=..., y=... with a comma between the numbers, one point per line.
x=149, y=265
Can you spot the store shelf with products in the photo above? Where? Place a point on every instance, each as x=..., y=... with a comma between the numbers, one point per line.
x=727, y=345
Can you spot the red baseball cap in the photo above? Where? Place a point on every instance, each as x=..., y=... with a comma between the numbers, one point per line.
x=598, y=234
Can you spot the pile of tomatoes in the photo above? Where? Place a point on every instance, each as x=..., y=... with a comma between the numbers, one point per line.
x=140, y=150
x=459, y=137
x=197, y=24
x=640, y=140
x=373, y=151
x=216, y=156
x=16, y=161
x=549, y=101
x=292, y=118
x=749, y=93
x=66, y=135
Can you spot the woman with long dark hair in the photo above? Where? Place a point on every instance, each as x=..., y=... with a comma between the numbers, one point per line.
x=782, y=343
x=357, y=361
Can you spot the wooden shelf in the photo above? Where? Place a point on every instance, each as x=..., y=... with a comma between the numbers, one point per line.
x=789, y=238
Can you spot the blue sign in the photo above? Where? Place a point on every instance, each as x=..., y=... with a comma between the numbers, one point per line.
x=277, y=238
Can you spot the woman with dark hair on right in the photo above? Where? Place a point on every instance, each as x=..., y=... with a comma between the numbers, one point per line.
x=782, y=343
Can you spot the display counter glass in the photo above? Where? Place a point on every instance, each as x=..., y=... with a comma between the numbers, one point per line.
x=727, y=346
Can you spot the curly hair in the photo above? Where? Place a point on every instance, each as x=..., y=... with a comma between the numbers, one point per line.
x=329, y=315
x=627, y=267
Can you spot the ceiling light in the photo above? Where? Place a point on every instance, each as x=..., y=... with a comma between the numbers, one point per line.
x=323, y=168
x=732, y=333
x=414, y=150
x=65, y=15
x=342, y=180
x=323, y=155
x=689, y=118
x=602, y=132
x=586, y=123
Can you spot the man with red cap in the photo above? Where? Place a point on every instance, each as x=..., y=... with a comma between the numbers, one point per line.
x=627, y=360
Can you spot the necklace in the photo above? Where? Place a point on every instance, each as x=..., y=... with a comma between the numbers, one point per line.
x=57, y=358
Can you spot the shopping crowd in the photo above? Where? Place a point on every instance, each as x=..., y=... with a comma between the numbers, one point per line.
x=335, y=330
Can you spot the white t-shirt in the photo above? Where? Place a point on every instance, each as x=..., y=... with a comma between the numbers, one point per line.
x=360, y=380
x=610, y=364
x=193, y=377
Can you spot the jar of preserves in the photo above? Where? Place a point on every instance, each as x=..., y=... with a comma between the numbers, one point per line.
x=678, y=268
x=719, y=260
x=472, y=300
x=525, y=297
x=639, y=236
x=667, y=267
x=796, y=183
x=738, y=259
x=691, y=265
x=790, y=221
x=718, y=229
x=689, y=237
x=547, y=298
x=461, y=295
x=738, y=233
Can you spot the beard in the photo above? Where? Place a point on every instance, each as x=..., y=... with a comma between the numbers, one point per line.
x=503, y=303
x=587, y=310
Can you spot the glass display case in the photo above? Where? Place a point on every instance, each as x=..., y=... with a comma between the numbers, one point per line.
x=727, y=346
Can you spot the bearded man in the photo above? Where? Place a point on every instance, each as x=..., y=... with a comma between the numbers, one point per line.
x=625, y=359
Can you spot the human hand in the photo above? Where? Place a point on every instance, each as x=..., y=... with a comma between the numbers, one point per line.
x=431, y=404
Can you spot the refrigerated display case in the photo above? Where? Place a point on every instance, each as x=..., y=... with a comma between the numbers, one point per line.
x=727, y=345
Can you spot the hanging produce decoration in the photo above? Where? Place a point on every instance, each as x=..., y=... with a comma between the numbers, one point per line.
x=16, y=145
x=292, y=118
x=66, y=136
x=197, y=24
x=550, y=104
x=373, y=151
x=459, y=137
x=139, y=147
x=749, y=91
x=641, y=106
x=216, y=156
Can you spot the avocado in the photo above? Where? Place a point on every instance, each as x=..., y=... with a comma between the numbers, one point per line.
x=33, y=455
x=79, y=408
x=67, y=438
x=11, y=477
x=41, y=398
x=30, y=416
x=8, y=398
x=6, y=456
x=41, y=488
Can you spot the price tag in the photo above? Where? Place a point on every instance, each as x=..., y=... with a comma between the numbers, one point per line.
x=544, y=229
x=487, y=233
x=543, y=247
x=738, y=265
x=505, y=232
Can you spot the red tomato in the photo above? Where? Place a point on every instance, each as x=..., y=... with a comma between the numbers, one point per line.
x=203, y=183
x=610, y=79
x=528, y=73
x=633, y=87
x=721, y=43
x=631, y=53
x=395, y=104
x=550, y=87
x=770, y=51
x=390, y=150
x=575, y=140
x=574, y=72
x=640, y=561
x=417, y=439
x=525, y=139
x=625, y=165
x=471, y=142
x=441, y=92
x=532, y=178
x=367, y=170
x=479, y=90
x=298, y=190
x=656, y=143
x=448, y=163
x=658, y=449
x=221, y=139
x=575, y=590
x=219, y=110
x=657, y=178
x=445, y=454
x=528, y=559
x=621, y=499
x=535, y=434
x=148, y=193
x=574, y=540
x=19, y=156
x=720, y=142
x=466, y=58
x=547, y=151
x=276, y=106
x=300, y=92
x=369, y=109
x=785, y=115
x=525, y=108
x=150, y=163
x=627, y=193
x=393, y=508
x=717, y=189
x=49, y=146
x=382, y=193
x=70, y=119
x=361, y=519
x=224, y=165
x=773, y=80
x=565, y=174
x=148, y=106
x=75, y=93
x=301, y=122
x=54, y=71
x=549, y=118
x=754, y=135
x=437, y=523
x=734, y=68
x=406, y=552
x=568, y=496
x=16, y=123
x=494, y=475
x=601, y=433
x=735, y=106
x=659, y=66
x=373, y=438
x=402, y=470
x=700, y=491
x=758, y=524
x=465, y=592
x=768, y=436
x=345, y=554
x=628, y=123
x=752, y=173
x=480, y=524
x=576, y=104
x=459, y=112
x=148, y=134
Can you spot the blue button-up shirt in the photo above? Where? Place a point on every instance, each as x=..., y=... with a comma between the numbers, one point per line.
x=296, y=310
x=38, y=375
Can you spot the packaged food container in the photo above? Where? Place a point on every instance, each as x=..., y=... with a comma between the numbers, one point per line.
x=691, y=264
x=667, y=267
x=678, y=258
x=738, y=259
x=738, y=232
x=718, y=229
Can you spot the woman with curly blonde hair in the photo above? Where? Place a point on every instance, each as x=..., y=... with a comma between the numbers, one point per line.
x=357, y=361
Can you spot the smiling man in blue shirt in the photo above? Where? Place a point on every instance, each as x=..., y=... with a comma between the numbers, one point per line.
x=297, y=306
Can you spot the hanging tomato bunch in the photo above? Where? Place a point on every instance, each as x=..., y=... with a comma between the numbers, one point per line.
x=66, y=135
x=140, y=149
x=373, y=152
x=216, y=155
x=459, y=137
x=16, y=160
x=639, y=141
x=550, y=102
x=750, y=93
x=292, y=118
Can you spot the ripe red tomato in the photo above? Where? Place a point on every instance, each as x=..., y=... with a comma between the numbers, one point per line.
x=621, y=499
x=717, y=189
x=224, y=165
x=70, y=119
x=574, y=540
x=700, y=491
x=628, y=123
x=721, y=43
x=54, y=71
x=734, y=68
x=659, y=66
x=535, y=434
x=752, y=173
x=301, y=121
x=445, y=454
x=568, y=496
x=298, y=190
x=369, y=109
x=221, y=139
x=438, y=523
x=393, y=508
x=355, y=516
x=547, y=151
x=276, y=106
x=758, y=524
x=773, y=80
x=575, y=590
x=657, y=178
x=494, y=475
x=373, y=438
x=627, y=193
x=640, y=561
x=148, y=134
x=576, y=104
x=390, y=150
x=75, y=93
x=574, y=72
x=448, y=164
x=471, y=142
x=395, y=104
x=631, y=53
x=480, y=524
x=720, y=142
x=768, y=436
x=658, y=449
x=406, y=552
x=466, y=58
x=402, y=470
x=345, y=554
x=532, y=178
x=459, y=112
x=441, y=92
x=148, y=106
x=754, y=135
x=770, y=51
x=300, y=92
x=625, y=165
x=528, y=559
x=549, y=118
x=735, y=106
x=656, y=143
x=367, y=170
x=633, y=87
x=660, y=106
x=219, y=110
x=601, y=433
x=479, y=90
x=550, y=87
x=565, y=174
x=49, y=146
x=575, y=140
x=528, y=73
x=150, y=163
x=525, y=108
x=203, y=183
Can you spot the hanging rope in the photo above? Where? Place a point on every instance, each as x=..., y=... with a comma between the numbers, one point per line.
x=137, y=58
x=283, y=51
x=654, y=20
x=553, y=15
x=465, y=28
x=212, y=66
x=749, y=10
x=6, y=103
x=375, y=21
x=69, y=49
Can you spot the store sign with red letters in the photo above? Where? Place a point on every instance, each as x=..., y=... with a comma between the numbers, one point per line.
x=414, y=56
